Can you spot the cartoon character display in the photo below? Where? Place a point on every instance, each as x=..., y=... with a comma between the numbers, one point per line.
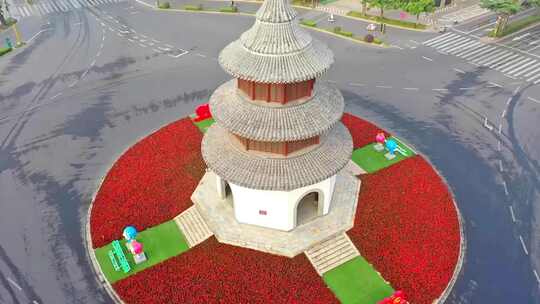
x=136, y=248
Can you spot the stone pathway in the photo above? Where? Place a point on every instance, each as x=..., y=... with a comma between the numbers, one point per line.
x=193, y=226
x=331, y=253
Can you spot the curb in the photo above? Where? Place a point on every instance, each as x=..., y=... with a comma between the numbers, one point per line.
x=387, y=24
x=249, y=14
x=345, y=37
x=99, y=275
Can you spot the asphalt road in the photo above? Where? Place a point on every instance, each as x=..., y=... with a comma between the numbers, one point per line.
x=88, y=87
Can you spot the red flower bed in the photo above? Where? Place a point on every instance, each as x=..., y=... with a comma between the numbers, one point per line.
x=406, y=226
x=151, y=183
x=216, y=273
x=363, y=132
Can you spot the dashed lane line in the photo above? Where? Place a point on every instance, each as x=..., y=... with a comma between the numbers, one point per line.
x=459, y=71
x=505, y=188
x=533, y=99
x=512, y=213
x=55, y=96
x=14, y=284
x=427, y=58
x=523, y=245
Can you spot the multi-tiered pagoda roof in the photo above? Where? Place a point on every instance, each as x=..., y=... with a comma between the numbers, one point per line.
x=277, y=128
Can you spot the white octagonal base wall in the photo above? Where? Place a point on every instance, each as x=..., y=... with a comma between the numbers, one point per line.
x=274, y=209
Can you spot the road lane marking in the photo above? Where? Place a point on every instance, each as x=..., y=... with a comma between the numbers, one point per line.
x=501, y=166
x=536, y=275
x=459, y=71
x=427, y=58
x=35, y=35
x=440, y=90
x=14, y=284
x=512, y=214
x=494, y=85
x=523, y=245
x=411, y=89
x=356, y=84
x=533, y=99
x=56, y=96
x=383, y=87
x=505, y=188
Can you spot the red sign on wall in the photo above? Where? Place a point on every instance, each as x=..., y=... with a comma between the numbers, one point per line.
x=262, y=212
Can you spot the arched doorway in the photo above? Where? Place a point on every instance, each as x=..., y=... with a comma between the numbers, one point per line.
x=308, y=208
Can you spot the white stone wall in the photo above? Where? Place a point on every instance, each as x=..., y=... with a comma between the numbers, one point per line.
x=280, y=206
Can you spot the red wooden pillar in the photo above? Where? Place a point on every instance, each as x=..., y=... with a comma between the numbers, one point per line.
x=284, y=93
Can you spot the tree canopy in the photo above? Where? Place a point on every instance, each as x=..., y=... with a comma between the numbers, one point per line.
x=501, y=7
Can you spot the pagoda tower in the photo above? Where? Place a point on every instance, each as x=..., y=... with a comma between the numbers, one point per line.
x=277, y=143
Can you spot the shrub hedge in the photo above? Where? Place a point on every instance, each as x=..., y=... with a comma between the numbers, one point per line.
x=197, y=7
x=4, y=51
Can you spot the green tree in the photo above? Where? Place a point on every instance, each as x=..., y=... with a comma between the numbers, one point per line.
x=416, y=7
x=384, y=4
x=364, y=7
x=504, y=9
x=2, y=18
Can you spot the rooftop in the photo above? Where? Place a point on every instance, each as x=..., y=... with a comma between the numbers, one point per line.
x=276, y=49
x=267, y=173
x=292, y=122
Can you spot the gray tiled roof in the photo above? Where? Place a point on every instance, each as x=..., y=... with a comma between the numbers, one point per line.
x=276, y=49
x=285, y=174
x=285, y=123
x=276, y=11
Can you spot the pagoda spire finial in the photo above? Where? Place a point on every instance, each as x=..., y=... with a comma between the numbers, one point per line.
x=276, y=11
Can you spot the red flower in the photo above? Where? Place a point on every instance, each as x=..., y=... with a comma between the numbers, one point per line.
x=406, y=226
x=150, y=184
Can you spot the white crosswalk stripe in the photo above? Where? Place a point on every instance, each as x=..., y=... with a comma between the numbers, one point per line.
x=480, y=52
x=508, y=63
x=494, y=62
x=45, y=7
x=521, y=67
x=512, y=63
x=74, y=3
x=529, y=68
x=487, y=57
x=513, y=66
x=466, y=46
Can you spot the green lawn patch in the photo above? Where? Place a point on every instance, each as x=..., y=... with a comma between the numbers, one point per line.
x=160, y=243
x=372, y=161
x=385, y=20
x=193, y=7
x=203, y=125
x=4, y=51
x=165, y=5
x=357, y=282
x=517, y=25
x=308, y=22
x=229, y=9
